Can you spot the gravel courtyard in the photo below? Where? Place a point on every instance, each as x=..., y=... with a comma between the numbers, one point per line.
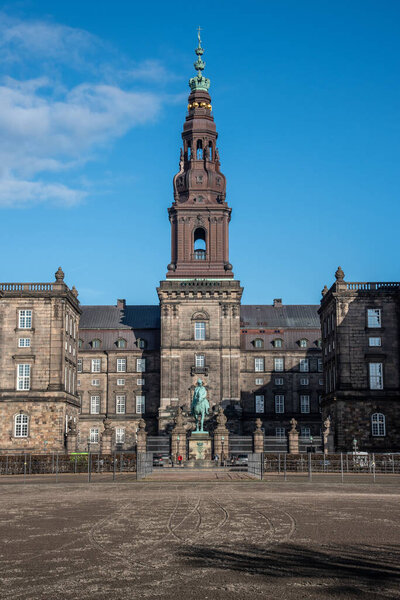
x=199, y=540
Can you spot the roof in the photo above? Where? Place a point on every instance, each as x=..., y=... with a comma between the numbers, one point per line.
x=291, y=315
x=113, y=317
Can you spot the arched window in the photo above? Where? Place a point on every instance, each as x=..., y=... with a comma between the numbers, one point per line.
x=21, y=423
x=199, y=150
x=258, y=343
x=121, y=343
x=378, y=424
x=210, y=151
x=303, y=343
x=141, y=343
x=96, y=343
x=199, y=244
x=278, y=343
x=189, y=151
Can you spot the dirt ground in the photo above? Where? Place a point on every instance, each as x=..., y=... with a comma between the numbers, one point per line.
x=200, y=540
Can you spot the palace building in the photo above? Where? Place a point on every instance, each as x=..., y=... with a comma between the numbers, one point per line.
x=63, y=363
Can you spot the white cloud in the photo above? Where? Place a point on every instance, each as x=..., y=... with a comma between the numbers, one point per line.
x=47, y=127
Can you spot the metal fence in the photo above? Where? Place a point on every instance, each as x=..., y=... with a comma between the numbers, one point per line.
x=255, y=465
x=144, y=465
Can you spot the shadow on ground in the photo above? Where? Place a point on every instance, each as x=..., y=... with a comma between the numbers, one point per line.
x=363, y=571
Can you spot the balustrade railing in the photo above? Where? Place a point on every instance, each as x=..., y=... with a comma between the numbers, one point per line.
x=26, y=287
x=371, y=285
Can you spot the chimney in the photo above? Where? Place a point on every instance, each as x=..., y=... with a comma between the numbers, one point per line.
x=277, y=302
x=121, y=303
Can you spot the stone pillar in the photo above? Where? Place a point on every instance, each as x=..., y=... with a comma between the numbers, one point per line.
x=72, y=437
x=258, y=438
x=106, y=437
x=178, y=438
x=221, y=437
x=293, y=438
x=141, y=444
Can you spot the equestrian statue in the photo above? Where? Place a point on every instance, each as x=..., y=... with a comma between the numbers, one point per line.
x=200, y=405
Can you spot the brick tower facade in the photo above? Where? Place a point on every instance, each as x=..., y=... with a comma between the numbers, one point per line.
x=199, y=300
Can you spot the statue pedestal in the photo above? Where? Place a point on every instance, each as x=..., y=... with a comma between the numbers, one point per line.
x=200, y=446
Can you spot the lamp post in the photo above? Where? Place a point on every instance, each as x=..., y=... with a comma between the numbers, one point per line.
x=355, y=444
x=311, y=442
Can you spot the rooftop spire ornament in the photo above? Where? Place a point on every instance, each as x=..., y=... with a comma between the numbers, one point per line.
x=198, y=82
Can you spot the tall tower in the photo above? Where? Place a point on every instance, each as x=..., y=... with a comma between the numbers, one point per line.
x=199, y=300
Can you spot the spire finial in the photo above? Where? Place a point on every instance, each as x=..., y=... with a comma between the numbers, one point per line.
x=199, y=82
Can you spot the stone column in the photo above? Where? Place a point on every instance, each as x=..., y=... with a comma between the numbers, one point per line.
x=293, y=438
x=141, y=444
x=106, y=437
x=178, y=438
x=221, y=436
x=258, y=438
x=72, y=437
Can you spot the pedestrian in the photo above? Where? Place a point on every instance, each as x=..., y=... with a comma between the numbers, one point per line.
x=216, y=460
x=180, y=460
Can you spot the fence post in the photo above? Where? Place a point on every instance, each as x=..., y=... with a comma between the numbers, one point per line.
x=30, y=464
x=52, y=463
x=114, y=464
x=57, y=468
x=279, y=463
x=89, y=470
x=347, y=463
x=284, y=466
x=7, y=465
x=341, y=465
x=24, y=469
x=373, y=465
x=309, y=467
x=98, y=462
x=392, y=463
x=120, y=463
x=75, y=465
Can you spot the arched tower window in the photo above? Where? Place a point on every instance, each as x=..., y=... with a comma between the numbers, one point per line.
x=199, y=250
x=210, y=151
x=199, y=150
x=189, y=151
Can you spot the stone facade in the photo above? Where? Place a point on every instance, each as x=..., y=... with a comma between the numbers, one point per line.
x=360, y=324
x=39, y=325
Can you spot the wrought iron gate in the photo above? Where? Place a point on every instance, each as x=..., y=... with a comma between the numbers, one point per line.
x=144, y=464
x=255, y=464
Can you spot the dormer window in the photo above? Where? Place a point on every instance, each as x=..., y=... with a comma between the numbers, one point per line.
x=80, y=344
x=278, y=343
x=121, y=343
x=141, y=343
x=258, y=343
x=303, y=343
x=96, y=343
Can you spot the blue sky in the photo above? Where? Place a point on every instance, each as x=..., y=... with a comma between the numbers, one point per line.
x=92, y=101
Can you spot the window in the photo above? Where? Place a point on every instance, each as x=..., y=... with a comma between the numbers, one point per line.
x=374, y=317
x=258, y=343
x=120, y=405
x=66, y=322
x=199, y=360
x=94, y=435
x=140, y=404
x=199, y=247
x=121, y=343
x=21, y=425
x=259, y=404
x=304, y=381
x=96, y=365
x=80, y=344
x=140, y=365
x=141, y=343
x=78, y=382
x=121, y=365
x=23, y=377
x=303, y=343
x=95, y=382
x=119, y=435
x=26, y=342
x=305, y=404
x=278, y=380
x=304, y=365
x=279, y=404
x=280, y=432
x=120, y=381
x=25, y=319
x=200, y=331
x=374, y=341
x=320, y=365
x=79, y=365
x=96, y=344
x=140, y=381
x=278, y=364
x=259, y=365
x=320, y=382
x=305, y=432
x=378, y=424
x=319, y=343
x=259, y=381
x=278, y=343
x=94, y=405
x=376, y=376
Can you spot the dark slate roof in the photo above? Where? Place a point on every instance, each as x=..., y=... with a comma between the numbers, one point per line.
x=293, y=315
x=112, y=317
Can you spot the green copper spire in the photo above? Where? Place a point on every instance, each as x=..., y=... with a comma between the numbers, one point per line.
x=199, y=82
